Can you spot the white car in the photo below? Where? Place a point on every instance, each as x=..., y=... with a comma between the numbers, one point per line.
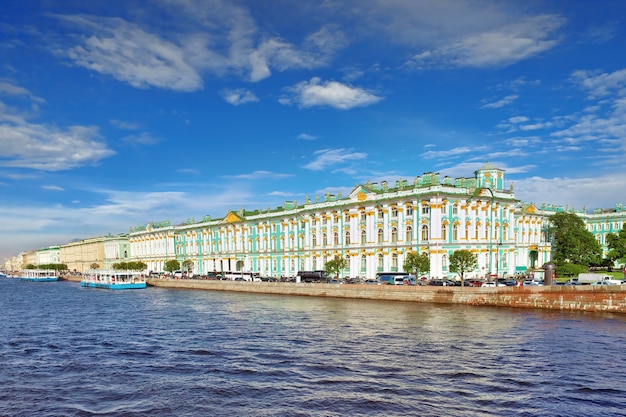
x=605, y=282
x=493, y=284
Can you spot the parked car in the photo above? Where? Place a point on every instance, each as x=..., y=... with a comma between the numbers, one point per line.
x=605, y=282
x=493, y=284
x=372, y=282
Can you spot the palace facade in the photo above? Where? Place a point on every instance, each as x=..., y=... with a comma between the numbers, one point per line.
x=373, y=228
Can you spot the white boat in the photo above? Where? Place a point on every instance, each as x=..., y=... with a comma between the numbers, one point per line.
x=114, y=280
x=39, y=275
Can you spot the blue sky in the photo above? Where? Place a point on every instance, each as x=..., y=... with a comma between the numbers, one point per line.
x=114, y=114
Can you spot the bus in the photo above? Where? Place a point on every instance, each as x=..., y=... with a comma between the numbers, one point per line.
x=313, y=276
x=390, y=277
x=241, y=276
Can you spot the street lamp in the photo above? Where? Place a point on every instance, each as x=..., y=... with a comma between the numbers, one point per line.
x=475, y=193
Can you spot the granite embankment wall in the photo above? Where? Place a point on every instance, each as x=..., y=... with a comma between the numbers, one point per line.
x=567, y=298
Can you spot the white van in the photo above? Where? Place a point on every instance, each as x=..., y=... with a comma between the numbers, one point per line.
x=405, y=280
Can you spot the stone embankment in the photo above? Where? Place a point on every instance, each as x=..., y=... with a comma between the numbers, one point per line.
x=567, y=298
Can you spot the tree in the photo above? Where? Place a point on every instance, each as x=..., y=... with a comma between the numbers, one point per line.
x=188, y=265
x=130, y=266
x=172, y=265
x=94, y=266
x=573, y=242
x=462, y=261
x=416, y=264
x=335, y=265
x=617, y=246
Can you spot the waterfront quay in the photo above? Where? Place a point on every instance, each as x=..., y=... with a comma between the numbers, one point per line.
x=588, y=298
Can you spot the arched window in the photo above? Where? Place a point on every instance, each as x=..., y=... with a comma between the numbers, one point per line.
x=380, y=235
x=314, y=262
x=347, y=237
x=409, y=234
x=444, y=261
x=324, y=239
x=363, y=237
x=336, y=239
x=455, y=232
x=381, y=262
x=363, y=263
x=348, y=263
x=394, y=234
x=394, y=261
x=313, y=239
x=425, y=234
x=444, y=232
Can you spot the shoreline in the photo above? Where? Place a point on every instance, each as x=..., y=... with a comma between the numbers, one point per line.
x=583, y=298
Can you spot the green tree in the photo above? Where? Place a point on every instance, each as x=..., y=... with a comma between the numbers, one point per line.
x=416, y=264
x=172, y=265
x=617, y=246
x=188, y=265
x=94, y=266
x=462, y=261
x=573, y=242
x=335, y=266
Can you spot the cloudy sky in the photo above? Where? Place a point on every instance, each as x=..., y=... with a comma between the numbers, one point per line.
x=114, y=114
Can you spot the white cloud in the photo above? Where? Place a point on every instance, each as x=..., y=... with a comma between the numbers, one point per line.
x=493, y=47
x=306, y=136
x=143, y=138
x=258, y=175
x=52, y=187
x=601, y=84
x=327, y=158
x=127, y=53
x=44, y=146
x=49, y=148
x=500, y=103
x=332, y=94
x=239, y=96
x=579, y=193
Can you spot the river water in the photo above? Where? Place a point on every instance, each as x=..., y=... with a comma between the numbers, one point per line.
x=72, y=351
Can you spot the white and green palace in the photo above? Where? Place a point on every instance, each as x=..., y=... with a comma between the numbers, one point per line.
x=373, y=228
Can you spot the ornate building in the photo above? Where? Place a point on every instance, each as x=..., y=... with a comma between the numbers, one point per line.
x=373, y=228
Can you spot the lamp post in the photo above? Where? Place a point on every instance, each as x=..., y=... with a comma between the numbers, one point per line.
x=477, y=192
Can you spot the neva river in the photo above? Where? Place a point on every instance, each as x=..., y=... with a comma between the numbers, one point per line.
x=72, y=351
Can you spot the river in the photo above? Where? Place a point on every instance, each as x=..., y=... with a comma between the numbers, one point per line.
x=72, y=351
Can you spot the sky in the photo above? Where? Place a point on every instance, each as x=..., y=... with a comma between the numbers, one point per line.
x=114, y=114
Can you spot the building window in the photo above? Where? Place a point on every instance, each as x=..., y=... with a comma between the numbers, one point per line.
x=347, y=237
x=455, y=232
x=409, y=234
x=363, y=264
x=444, y=208
x=425, y=209
x=380, y=235
x=324, y=239
x=380, y=214
x=425, y=234
x=336, y=239
x=314, y=263
x=394, y=261
x=455, y=209
x=363, y=237
x=409, y=210
x=444, y=232
x=381, y=263
x=363, y=216
x=313, y=239
x=394, y=235
x=394, y=212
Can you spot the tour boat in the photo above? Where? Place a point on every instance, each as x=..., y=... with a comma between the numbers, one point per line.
x=114, y=280
x=39, y=275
